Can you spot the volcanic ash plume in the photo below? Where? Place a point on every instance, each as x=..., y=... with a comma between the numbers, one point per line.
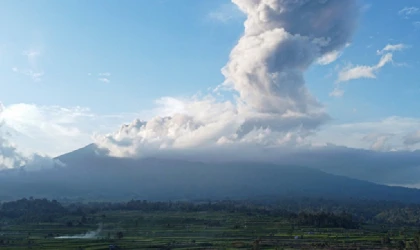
x=282, y=38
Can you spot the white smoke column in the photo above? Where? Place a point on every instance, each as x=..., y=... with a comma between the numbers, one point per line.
x=282, y=39
x=88, y=235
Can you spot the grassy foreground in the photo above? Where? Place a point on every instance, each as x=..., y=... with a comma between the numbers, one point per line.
x=195, y=230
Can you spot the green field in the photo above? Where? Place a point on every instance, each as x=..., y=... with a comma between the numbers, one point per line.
x=195, y=230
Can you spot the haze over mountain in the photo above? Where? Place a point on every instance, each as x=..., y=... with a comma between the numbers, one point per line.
x=271, y=128
x=89, y=174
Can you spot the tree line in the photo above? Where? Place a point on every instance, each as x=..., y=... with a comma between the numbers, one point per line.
x=315, y=212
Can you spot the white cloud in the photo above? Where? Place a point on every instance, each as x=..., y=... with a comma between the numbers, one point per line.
x=337, y=92
x=392, y=47
x=104, y=79
x=35, y=76
x=384, y=135
x=409, y=11
x=183, y=124
x=33, y=70
x=33, y=124
x=379, y=142
x=11, y=157
x=363, y=71
x=329, y=57
x=158, y=137
x=31, y=54
x=414, y=185
x=59, y=129
x=351, y=72
x=225, y=13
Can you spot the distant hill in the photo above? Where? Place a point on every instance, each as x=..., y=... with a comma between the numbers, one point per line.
x=90, y=174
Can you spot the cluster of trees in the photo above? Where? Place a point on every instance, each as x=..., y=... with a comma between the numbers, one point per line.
x=400, y=215
x=313, y=212
x=147, y=206
x=32, y=210
x=323, y=219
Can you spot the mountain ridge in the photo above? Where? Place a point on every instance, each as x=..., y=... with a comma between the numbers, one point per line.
x=89, y=173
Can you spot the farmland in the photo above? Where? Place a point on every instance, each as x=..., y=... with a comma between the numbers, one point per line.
x=191, y=228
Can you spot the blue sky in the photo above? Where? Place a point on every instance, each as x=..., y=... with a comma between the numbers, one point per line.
x=98, y=64
x=395, y=90
x=151, y=49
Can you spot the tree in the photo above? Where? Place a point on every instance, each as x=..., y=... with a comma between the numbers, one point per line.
x=401, y=245
x=386, y=240
x=120, y=235
x=416, y=242
x=291, y=230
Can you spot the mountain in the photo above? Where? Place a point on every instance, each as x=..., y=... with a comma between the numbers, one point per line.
x=90, y=174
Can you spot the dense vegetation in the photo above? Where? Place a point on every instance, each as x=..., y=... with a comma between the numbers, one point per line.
x=317, y=223
x=32, y=210
x=314, y=212
x=356, y=211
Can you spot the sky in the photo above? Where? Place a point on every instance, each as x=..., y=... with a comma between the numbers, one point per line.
x=199, y=74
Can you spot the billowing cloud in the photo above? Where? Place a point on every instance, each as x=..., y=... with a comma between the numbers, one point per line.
x=265, y=73
x=281, y=40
